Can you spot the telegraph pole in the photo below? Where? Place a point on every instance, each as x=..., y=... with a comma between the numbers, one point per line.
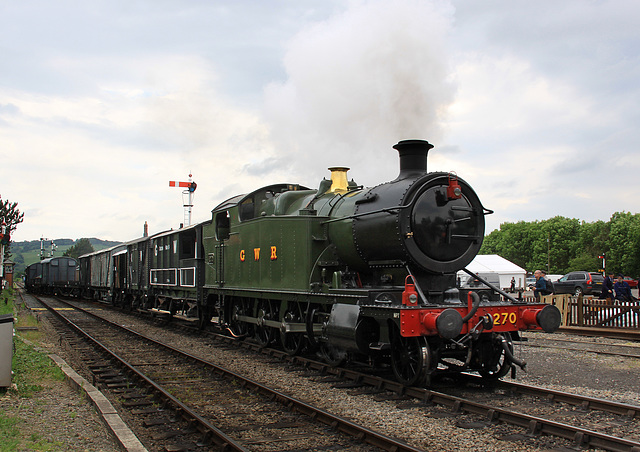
x=548, y=253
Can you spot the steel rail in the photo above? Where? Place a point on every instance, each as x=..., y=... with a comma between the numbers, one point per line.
x=613, y=333
x=585, y=402
x=556, y=339
x=535, y=425
x=587, y=350
x=341, y=424
x=552, y=395
x=210, y=431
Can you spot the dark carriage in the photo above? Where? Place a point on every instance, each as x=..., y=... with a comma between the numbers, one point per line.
x=54, y=276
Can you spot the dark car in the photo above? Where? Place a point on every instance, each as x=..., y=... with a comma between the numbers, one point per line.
x=579, y=282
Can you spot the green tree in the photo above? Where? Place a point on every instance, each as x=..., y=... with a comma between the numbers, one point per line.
x=540, y=243
x=562, y=235
x=562, y=244
x=10, y=214
x=82, y=246
x=513, y=241
x=593, y=242
x=624, y=244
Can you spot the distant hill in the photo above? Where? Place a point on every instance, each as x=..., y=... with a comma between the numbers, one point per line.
x=26, y=253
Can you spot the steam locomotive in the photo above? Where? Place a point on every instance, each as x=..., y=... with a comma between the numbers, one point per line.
x=354, y=273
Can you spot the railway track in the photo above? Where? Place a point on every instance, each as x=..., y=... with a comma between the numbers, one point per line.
x=486, y=411
x=495, y=405
x=186, y=403
x=484, y=403
x=612, y=333
x=600, y=348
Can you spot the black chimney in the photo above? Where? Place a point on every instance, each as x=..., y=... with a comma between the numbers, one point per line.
x=413, y=157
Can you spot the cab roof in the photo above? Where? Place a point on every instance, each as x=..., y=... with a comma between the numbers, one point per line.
x=259, y=193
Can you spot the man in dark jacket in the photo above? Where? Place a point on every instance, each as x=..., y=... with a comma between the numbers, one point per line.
x=607, y=288
x=541, y=285
x=622, y=289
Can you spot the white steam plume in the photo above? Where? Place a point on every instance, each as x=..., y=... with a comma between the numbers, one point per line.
x=361, y=81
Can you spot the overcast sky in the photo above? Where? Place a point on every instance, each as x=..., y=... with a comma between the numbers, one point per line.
x=102, y=103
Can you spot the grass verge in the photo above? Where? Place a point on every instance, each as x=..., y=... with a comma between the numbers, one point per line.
x=31, y=371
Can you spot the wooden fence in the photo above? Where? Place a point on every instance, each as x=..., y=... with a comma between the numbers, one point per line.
x=589, y=311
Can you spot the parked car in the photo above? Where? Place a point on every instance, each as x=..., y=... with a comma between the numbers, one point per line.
x=633, y=283
x=579, y=282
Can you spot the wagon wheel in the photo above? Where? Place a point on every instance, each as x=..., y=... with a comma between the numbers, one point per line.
x=410, y=359
x=331, y=355
x=264, y=334
x=500, y=365
x=236, y=326
x=292, y=343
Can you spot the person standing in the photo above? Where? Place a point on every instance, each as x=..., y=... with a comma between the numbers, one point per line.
x=513, y=284
x=541, y=285
x=607, y=288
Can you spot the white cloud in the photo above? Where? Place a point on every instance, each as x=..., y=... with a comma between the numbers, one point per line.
x=101, y=106
x=92, y=183
x=507, y=96
x=532, y=143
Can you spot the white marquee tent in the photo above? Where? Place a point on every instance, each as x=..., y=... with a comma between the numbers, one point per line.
x=492, y=263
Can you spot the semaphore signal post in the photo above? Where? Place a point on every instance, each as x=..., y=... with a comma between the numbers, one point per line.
x=187, y=197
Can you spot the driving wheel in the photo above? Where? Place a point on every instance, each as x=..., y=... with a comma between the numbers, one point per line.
x=236, y=326
x=292, y=343
x=264, y=334
x=410, y=359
